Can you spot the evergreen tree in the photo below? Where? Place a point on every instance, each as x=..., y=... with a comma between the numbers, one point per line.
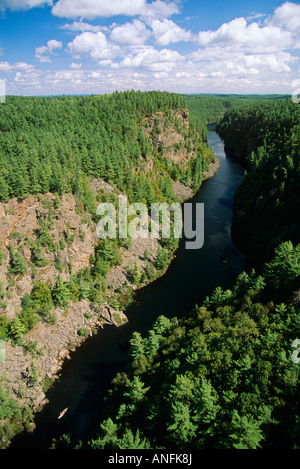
x=60, y=293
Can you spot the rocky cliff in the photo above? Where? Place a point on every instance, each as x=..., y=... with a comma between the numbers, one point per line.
x=69, y=234
x=170, y=135
x=46, y=236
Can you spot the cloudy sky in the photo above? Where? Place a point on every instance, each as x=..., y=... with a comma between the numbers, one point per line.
x=189, y=46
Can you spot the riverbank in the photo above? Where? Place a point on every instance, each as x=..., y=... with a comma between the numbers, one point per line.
x=86, y=378
x=32, y=367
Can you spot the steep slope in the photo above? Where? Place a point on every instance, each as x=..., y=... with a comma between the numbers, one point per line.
x=59, y=282
x=264, y=137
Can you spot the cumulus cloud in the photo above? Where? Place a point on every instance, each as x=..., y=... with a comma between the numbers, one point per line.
x=159, y=9
x=94, y=45
x=6, y=67
x=288, y=16
x=82, y=26
x=23, y=4
x=250, y=36
x=166, y=32
x=48, y=49
x=75, y=66
x=151, y=59
x=227, y=65
x=277, y=63
x=130, y=33
x=91, y=9
x=246, y=54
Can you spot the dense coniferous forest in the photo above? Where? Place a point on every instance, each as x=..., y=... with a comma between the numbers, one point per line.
x=223, y=377
x=60, y=145
x=206, y=110
x=265, y=138
x=55, y=144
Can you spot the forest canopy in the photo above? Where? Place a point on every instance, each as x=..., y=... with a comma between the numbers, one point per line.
x=265, y=137
x=52, y=144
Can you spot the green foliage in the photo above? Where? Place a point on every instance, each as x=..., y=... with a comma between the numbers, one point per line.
x=162, y=258
x=16, y=330
x=37, y=257
x=265, y=137
x=110, y=439
x=205, y=110
x=135, y=274
x=72, y=139
x=59, y=144
x=17, y=265
x=284, y=271
x=82, y=332
x=223, y=377
x=13, y=418
x=108, y=251
x=60, y=293
x=2, y=256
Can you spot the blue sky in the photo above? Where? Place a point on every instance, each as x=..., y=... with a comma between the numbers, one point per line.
x=187, y=46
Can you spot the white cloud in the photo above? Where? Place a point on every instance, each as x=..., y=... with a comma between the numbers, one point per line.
x=75, y=66
x=251, y=37
x=105, y=63
x=94, y=45
x=166, y=32
x=159, y=9
x=130, y=33
x=288, y=16
x=277, y=63
x=233, y=62
x=151, y=59
x=48, y=49
x=255, y=16
x=81, y=26
x=91, y=9
x=23, y=4
x=257, y=53
x=6, y=67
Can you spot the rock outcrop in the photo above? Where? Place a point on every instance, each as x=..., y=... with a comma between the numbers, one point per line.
x=169, y=135
x=54, y=236
x=67, y=234
x=71, y=233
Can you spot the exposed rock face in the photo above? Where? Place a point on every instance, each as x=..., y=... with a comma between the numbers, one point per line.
x=68, y=232
x=70, y=236
x=182, y=192
x=168, y=134
x=73, y=234
x=117, y=276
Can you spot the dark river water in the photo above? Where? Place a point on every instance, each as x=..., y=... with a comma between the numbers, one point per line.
x=192, y=276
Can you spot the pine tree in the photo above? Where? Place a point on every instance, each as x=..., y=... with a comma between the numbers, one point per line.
x=135, y=390
x=60, y=293
x=136, y=273
x=17, y=263
x=137, y=346
x=17, y=330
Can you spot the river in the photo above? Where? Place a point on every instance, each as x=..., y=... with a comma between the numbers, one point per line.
x=192, y=275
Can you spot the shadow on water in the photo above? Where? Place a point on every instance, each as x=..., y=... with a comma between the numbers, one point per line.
x=192, y=275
